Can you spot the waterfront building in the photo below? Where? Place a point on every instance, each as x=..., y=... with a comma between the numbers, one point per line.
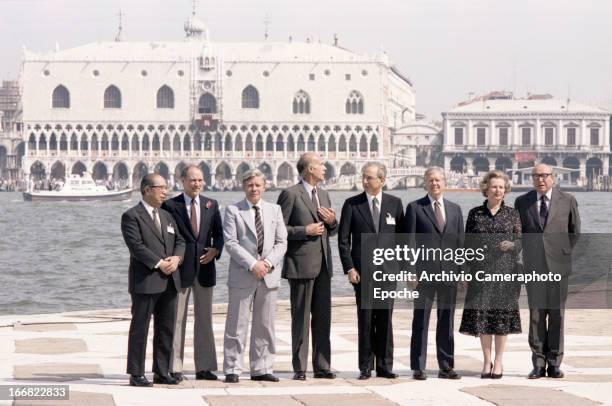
x=498, y=131
x=123, y=109
x=12, y=146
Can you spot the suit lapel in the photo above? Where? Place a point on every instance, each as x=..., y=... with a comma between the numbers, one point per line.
x=182, y=210
x=447, y=214
x=149, y=221
x=364, y=209
x=268, y=215
x=308, y=201
x=554, y=206
x=203, y=215
x=430, y=213
x=384, y=209
x=247, y=216
x=533, y=208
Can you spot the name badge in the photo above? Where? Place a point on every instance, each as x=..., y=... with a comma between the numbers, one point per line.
x=390, y=219
x=170, y=229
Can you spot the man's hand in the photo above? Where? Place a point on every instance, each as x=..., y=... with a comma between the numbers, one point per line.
x=174, y=262
x=166, y=267
x=353, y=276
x=412, y=284
x=260, y=269
x=506, y=246
x=327, y=215
x=210, y=254
x=315, y=229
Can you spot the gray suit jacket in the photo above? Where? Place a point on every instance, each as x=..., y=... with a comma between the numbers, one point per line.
x=305, y=253
x=549, y=248
x=147, y=247
x=241, y=243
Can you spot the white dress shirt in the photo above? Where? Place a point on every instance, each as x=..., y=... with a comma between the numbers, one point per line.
x=539, y=202
x=433, y=207
x=309, y=188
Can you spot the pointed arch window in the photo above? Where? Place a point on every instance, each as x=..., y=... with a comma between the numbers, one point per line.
x=112, y=97
x=165, y=98
x=60, y=98
x=250, y=98
x=207, y=104
x=301, y=103
x=354, y=103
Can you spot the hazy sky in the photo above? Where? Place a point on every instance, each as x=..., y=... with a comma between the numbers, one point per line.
x=447, y=47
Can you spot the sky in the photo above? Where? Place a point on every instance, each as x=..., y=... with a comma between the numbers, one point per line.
x=448, y=48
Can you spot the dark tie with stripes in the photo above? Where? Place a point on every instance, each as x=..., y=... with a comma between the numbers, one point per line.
x=543, y=210
x=260, y=231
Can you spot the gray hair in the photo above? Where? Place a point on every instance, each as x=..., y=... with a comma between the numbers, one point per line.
x=433, y=169
x=252, y=173
x=494, y=174
x=148, y=180
x=186, y=170
x=305, y=161
x=381, y=169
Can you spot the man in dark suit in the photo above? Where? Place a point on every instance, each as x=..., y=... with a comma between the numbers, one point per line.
x=370, y=212
x=156, y=250
x=551, y=226
x=435, y=223
x=199, y=222
x=310, y=222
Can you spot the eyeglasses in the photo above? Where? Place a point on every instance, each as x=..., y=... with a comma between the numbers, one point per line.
x=160, y=187
x=543, y=176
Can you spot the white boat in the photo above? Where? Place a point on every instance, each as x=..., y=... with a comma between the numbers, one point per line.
x=78, y=188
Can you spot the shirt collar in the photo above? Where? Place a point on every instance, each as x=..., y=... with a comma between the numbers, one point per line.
x=548, y=195
x=148, y=207
x=251, y=204
x=371, y=197
x=432, y=200
x=308, y=187
x=188, y=199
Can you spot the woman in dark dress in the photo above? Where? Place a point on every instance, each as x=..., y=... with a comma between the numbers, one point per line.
x=491, y=309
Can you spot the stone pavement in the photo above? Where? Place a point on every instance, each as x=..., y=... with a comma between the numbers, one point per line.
x=87, y=351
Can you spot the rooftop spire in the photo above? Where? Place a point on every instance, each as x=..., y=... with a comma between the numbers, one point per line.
x=119, y=36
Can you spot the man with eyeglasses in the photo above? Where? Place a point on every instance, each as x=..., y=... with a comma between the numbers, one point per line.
x=156, y=250
x=550, y=225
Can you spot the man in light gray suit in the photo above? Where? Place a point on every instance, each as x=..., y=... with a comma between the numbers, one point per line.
x=256, y=240
x=310, y=222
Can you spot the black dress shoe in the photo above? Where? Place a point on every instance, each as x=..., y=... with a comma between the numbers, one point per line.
x=448, y=374
x=231, y=378
x=364, y=375
x=537, y=373
x=299, y=376
x=164, y=379
x=178, y=376
x=554, y=372
x=386, y=374
x=419, y=375
x=325, y=375
x=140, y=380
x=486, y=375
x=264, y=377
x=497, y=376
x=206, y=375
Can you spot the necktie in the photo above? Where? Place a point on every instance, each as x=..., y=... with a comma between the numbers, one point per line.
x=375, y=214
x=439, y=217
x=194, y=219
x=260, y=231
x=543, y=210
x=315, y=201
x=156, y=221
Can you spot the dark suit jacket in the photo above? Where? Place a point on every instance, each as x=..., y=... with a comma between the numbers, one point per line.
x=549, y=248
x=421, y=224
x=305, y=253
x=147, y=248
x=356, y=219
x=211, y=235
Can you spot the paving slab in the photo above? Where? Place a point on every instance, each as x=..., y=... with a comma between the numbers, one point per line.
x=259, y=400
x=57, y=372
x=45, y=327
x=76, y=399
x=50, y=345
x=589, y=362
x=369, y=399
x=514, y=395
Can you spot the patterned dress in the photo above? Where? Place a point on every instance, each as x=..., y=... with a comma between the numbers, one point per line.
x=492, y=307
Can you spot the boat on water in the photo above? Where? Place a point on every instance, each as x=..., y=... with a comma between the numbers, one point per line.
x=78, y=188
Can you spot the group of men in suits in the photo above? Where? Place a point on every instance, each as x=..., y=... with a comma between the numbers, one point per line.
x=290, y=239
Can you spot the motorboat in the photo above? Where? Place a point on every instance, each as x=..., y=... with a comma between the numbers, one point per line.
x=78, y=188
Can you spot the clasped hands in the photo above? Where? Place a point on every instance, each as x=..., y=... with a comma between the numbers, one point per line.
x=327, y=215
x=260, y=269
x=210, y=254
x=169, y=265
